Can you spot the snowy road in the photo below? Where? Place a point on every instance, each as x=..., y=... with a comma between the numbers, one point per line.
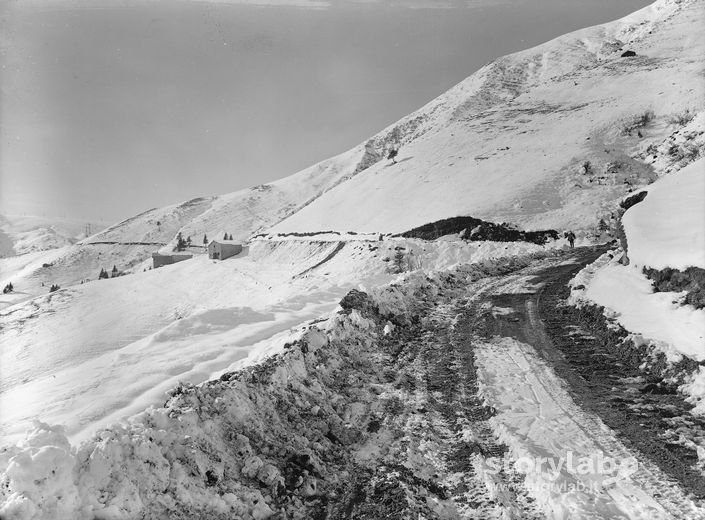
x=561, y=401
x=504, y=434
x=501, y=422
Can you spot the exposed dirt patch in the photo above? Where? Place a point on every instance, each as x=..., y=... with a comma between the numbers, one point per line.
x=477, y=229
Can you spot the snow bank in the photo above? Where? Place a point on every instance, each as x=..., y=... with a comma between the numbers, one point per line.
x=163, y=460
x=695, y=388
x=667, y=229
x=677, y=330
x=191, y=457
x=41, y=471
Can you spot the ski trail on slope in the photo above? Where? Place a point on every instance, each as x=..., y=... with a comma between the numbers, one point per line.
x=539, y=420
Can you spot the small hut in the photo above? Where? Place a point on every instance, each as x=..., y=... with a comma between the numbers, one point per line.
x=222, y=249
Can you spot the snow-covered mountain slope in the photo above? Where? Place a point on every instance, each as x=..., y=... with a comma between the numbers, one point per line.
x=240, y=213
x=513, y=141
x=28, y=234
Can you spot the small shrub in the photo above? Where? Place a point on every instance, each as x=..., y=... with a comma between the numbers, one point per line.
x=681, y=118
x=587, y=168
x=692, y=280
x=400, y=262
x=685, y=153
x=638, y=121
x=690, y=152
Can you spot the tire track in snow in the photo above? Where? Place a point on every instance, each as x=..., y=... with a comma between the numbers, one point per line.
x=538, y=419
x=650, y=493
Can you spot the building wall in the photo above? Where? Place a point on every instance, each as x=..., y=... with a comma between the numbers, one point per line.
x=222, y=251
x=161, y=260
x=228, y=250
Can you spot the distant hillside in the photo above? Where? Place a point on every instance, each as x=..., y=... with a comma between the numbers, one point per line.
x=29, y=234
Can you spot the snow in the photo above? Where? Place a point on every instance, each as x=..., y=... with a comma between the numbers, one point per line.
x=574, y=465
x=507, y=144
x=23, y=267
x=667, y=229
x=112, y=345
x=677, y=329
x=695, y=389
x=161, y=457
x=232, y=242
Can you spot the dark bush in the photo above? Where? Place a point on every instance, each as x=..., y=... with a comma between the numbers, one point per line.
x=692, y=281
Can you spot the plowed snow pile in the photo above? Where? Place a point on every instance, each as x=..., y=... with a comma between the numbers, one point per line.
x=665, y=230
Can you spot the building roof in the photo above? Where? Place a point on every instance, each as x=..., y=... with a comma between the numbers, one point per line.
x=228, y=242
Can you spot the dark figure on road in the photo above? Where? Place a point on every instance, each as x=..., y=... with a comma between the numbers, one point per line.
x=571, y=239
x=393, y=155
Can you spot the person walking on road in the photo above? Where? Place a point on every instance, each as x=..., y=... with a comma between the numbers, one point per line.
x=571, y=239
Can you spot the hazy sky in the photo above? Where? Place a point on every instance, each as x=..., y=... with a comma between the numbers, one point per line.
x=111, y=107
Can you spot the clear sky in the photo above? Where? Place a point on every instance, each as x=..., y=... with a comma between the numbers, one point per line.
x=112, y=107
